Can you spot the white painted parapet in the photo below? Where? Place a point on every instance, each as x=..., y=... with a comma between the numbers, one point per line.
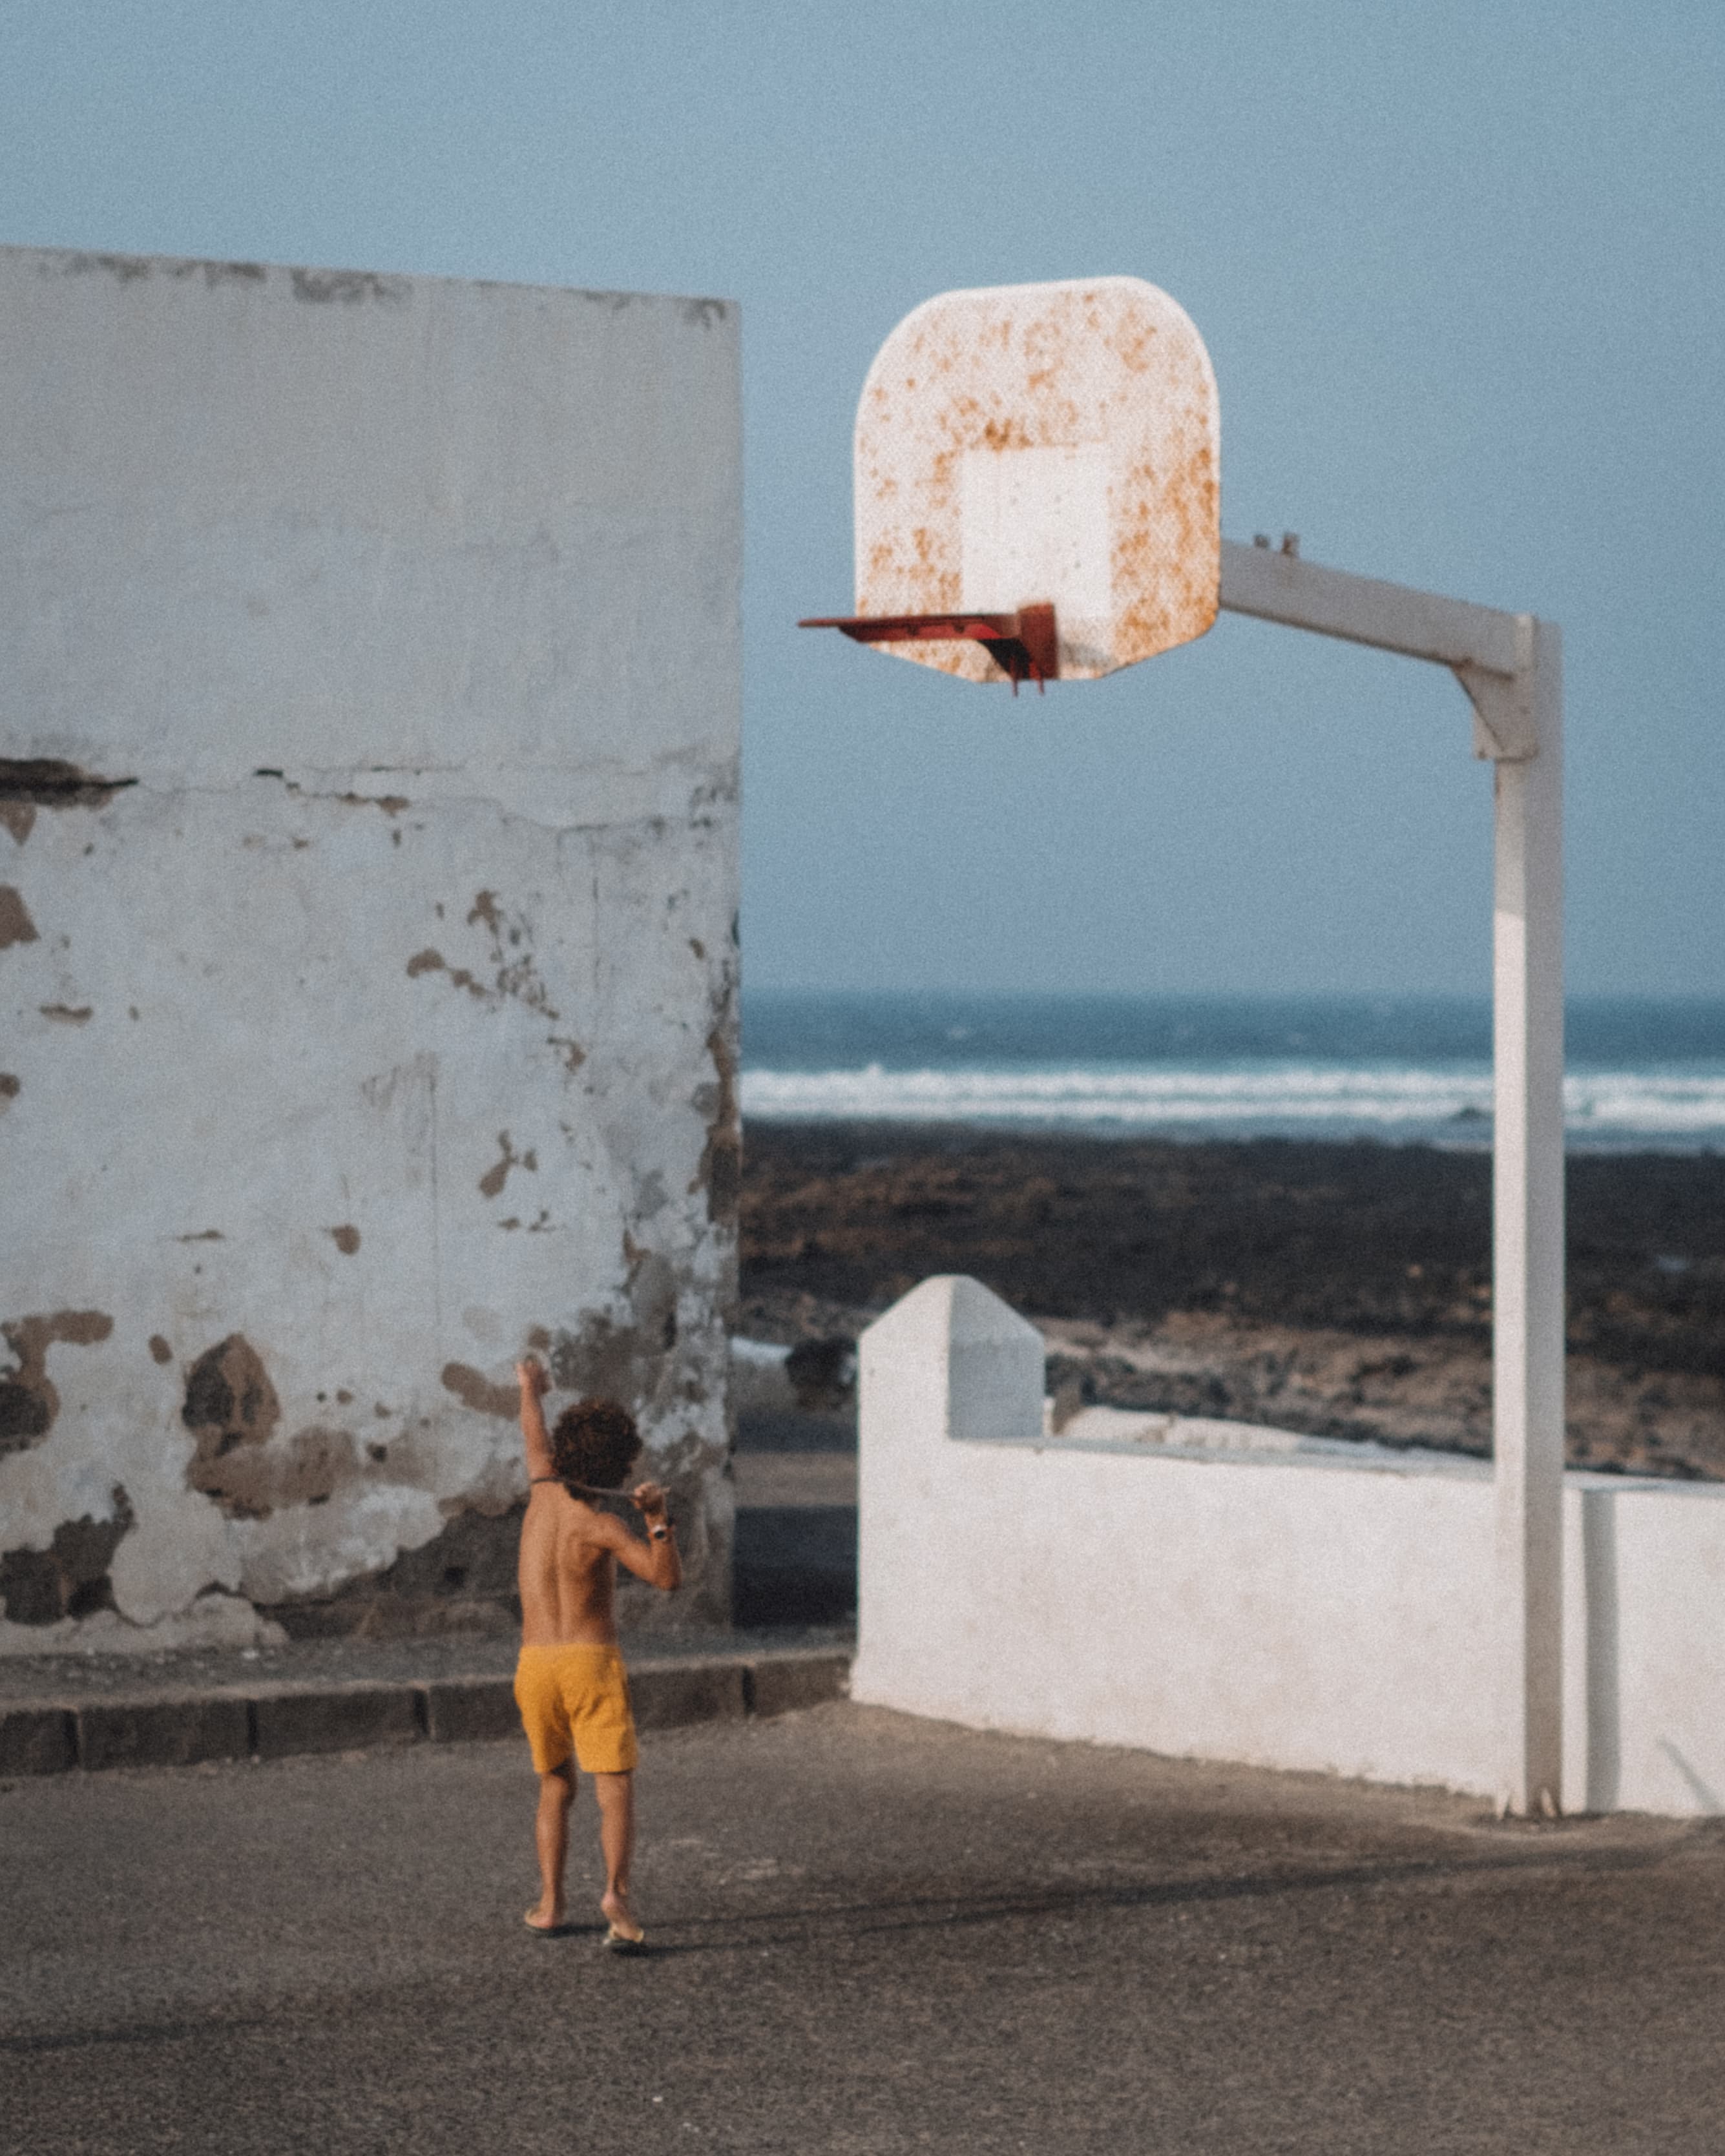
x=1301, y=1608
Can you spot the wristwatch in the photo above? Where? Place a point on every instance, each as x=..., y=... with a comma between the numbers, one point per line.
x=659, y=1532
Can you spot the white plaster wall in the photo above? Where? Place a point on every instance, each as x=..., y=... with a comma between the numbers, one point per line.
x=255, y=515
x=1280, y=1610
x=407, y=611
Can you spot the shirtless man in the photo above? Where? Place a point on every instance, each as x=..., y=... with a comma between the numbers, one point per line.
x=569, y=1683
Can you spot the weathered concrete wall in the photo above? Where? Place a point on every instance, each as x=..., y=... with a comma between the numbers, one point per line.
x=369, y=718
x=1290, y=1609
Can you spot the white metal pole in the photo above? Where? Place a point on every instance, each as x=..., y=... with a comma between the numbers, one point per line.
x=1511, y=667
x=1527, y=1233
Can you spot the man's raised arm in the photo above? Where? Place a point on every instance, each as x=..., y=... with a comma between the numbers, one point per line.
x=535, y=1384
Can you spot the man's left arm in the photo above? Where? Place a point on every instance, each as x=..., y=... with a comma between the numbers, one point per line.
x=655, y=1559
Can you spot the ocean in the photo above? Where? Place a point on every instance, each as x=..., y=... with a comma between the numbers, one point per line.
x=1642, y=1073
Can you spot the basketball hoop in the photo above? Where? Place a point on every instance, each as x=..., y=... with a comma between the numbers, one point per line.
x=1063, y=440
x=1036, y=484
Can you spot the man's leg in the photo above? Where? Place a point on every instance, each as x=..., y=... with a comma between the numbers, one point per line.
x=551, y=1835
x=616, y=1838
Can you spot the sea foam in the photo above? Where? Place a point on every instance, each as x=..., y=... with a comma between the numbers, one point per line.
x=1605, y=1108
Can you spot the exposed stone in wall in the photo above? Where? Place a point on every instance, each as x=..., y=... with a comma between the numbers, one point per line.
x=230, y=1405
x=626, y=1285
x=69, y=1579
x=721, y=1170
x=232, y=1410
x=463, y=1580
x=490, y=1184
x=475, y=1390
x=28, y=1402
x=27, y=783
x=16, y=926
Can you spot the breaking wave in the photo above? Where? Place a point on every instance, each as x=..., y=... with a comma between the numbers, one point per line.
x=1606, y=1108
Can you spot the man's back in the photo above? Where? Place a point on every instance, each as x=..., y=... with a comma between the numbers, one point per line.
x=567, y=1574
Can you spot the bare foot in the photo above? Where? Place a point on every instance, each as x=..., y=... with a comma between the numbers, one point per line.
x=540, y=1918
x=615, y=1907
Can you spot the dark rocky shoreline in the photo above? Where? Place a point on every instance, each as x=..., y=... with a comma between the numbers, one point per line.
x=1341, y=1289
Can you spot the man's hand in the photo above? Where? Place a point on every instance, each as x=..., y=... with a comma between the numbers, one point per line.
x=535, y=1378
x=655, y=1559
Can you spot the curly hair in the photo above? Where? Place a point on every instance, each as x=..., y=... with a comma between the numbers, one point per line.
x=594, y=1442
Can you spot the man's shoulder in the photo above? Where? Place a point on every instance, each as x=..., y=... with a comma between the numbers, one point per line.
x=582, y=1522
x=573, y=1515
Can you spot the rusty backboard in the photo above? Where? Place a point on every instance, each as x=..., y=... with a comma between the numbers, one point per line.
x=1028, y=445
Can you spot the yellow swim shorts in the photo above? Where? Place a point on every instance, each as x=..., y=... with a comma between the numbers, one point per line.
x=576, y=1698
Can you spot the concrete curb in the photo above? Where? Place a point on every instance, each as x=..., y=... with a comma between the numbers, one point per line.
x=279, y=1721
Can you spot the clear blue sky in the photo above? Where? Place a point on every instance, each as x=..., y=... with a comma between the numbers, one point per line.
x=1461, y=269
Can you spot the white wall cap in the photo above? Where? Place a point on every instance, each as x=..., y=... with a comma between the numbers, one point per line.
x=958, y=1307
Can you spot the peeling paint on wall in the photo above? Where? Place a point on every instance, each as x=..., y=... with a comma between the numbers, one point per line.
x=462, y=1580
x=432, y=962
x=232, y=1409
x=308, y=1471
x=627, y=1361
x=720, y=1175
x=130, y=269
x=473, y=1389
x=16, y=926
x=230, y=1403
x=29, y=1401
x=652, y=1290
x=512, y=955
x=69, y=1579
x=350, y=287
x=27, y=783
x=403, y=845
x=490, y=1184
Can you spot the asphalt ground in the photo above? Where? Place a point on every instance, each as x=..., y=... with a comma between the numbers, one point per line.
x=867, y=1933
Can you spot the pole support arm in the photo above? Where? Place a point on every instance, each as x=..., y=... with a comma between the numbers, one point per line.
x=1491, y=652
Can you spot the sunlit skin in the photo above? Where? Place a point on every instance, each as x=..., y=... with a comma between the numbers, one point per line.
x=569, y=1553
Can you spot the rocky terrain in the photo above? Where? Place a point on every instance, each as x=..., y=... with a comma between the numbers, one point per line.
x=1340, y=1290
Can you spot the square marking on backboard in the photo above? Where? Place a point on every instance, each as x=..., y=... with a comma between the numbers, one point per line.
x=1034, y=529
